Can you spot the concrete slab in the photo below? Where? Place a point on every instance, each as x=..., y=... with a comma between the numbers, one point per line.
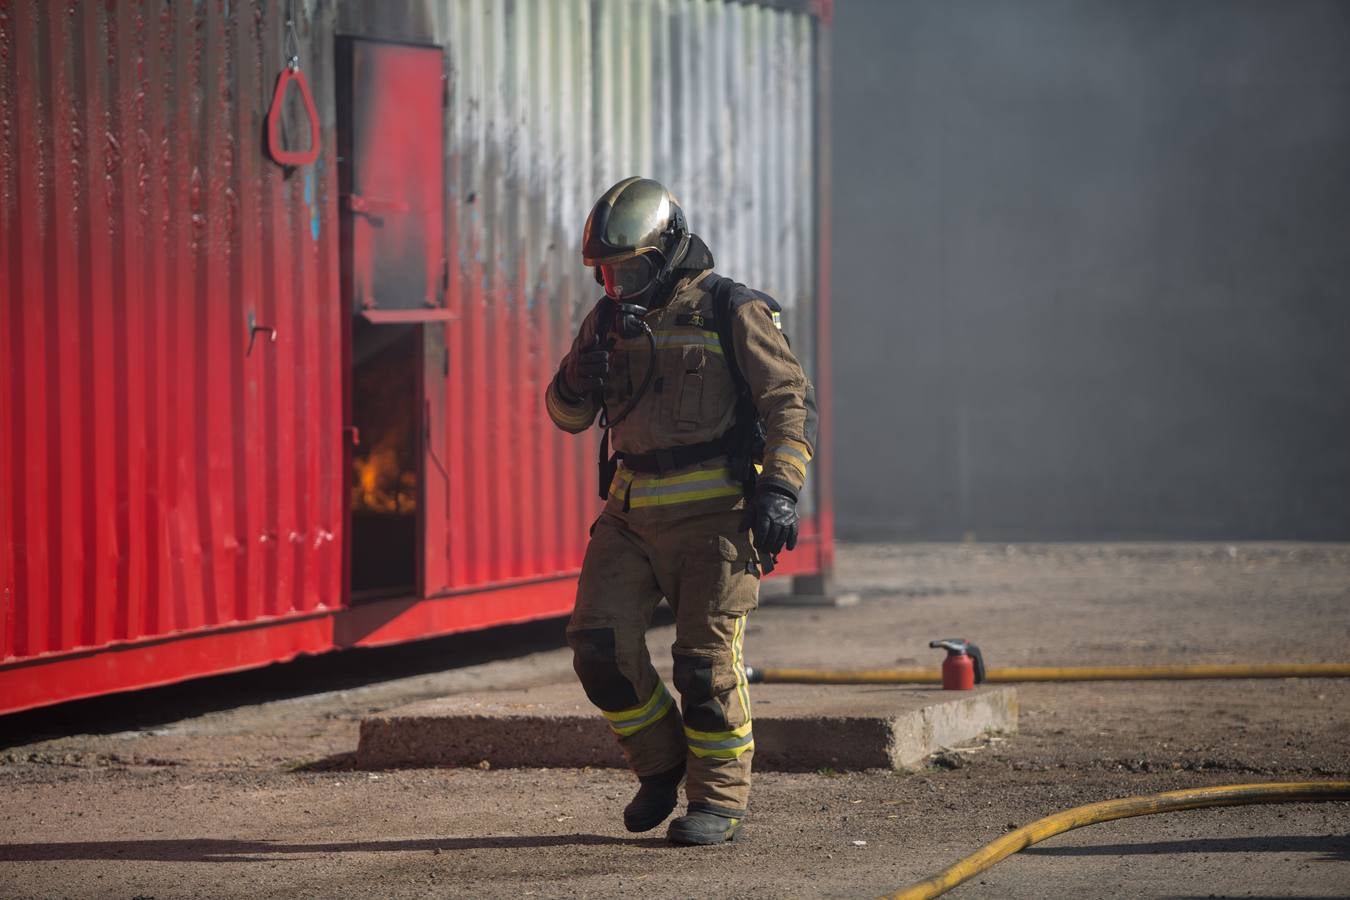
x=797, y=728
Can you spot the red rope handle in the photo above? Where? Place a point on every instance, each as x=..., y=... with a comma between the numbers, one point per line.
x=274, y=143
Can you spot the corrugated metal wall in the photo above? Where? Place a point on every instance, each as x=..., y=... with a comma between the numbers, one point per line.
x=157, y=478
x=551, y=102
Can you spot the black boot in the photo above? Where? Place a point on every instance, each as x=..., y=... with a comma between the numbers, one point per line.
x=656, y=798
x=706, y=824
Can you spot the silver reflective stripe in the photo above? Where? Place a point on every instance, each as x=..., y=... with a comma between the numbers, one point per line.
x=652, y=715
x=789, y=450
x=728, y=744
x=627, y=722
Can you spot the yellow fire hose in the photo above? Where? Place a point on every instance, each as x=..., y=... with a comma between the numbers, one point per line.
x=1052, y=673
x=1108, y=810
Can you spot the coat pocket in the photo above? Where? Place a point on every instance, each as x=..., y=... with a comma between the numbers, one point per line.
x=689, y=408
x=719, y=392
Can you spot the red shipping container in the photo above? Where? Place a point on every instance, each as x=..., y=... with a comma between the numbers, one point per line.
x=252, y=410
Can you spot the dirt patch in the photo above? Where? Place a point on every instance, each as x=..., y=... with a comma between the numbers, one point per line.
x=256, y=799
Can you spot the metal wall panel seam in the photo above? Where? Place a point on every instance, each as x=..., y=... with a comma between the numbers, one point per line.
x=526, y=436
x=497, y=306
x=65, y=481
x=129, y=341
x=574, y=30
x=536, y=529
x=33, y=443
x=211, y=333
x=317, y=45
x=10, y=330
x=741, y=199
x=282, y=390
x=248, y=287
x=456, y=217
x=329, y=431
x=152, y=120
x=466, y=118
x=272, y=540
x=230, y=320
x=542, y=177
x=300, y=301
x=661, y=75
x=821, y=50
x=584, y=450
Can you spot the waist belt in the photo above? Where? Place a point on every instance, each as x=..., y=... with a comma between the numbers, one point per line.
x=671, y=459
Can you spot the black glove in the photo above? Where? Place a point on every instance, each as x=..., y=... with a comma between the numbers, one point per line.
x=585, y=371
x=773, y=520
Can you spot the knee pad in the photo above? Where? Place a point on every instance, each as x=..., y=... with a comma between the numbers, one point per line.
x=699, y=701
x=597, y=665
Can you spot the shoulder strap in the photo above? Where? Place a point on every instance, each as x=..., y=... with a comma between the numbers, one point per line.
x=728, y=296
x=723, y=313
x=744, y=440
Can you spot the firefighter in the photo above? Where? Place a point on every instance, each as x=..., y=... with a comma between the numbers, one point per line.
x=690, y=374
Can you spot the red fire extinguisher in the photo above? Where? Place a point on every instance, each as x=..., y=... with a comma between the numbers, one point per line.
x=964, y=666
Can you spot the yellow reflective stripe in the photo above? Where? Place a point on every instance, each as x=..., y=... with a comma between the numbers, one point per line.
x=621, y=481
x=722, y=752
x=721, y=748
x=713, y=736
x=646, y=480
x=645, y=490
x=686, y=497
x=791, y=448
x=738, y=663
x=789, y=461
x=794, y=454
x=638, y=712
x=728, y=744
x=631, y=721
x=565, y=414
x=662, y=489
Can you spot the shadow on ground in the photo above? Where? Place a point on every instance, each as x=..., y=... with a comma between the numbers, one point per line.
x=1336, y=848
x=214, y=850
x=340, y=670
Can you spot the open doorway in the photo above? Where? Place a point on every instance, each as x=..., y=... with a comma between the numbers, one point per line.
x=386, y=459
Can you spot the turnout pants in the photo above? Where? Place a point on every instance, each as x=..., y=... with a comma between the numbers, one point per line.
x=707, y=570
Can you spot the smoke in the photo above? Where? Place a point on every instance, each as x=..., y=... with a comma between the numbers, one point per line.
x=1092, y=269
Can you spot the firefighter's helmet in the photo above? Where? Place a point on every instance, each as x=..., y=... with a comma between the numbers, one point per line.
x=635, y=236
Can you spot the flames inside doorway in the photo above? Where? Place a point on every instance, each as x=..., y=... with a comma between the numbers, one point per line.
x=385, y=461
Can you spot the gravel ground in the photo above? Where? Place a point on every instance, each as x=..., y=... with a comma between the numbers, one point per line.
x=242, y=785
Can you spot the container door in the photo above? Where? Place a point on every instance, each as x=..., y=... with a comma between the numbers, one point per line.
x=391, y=143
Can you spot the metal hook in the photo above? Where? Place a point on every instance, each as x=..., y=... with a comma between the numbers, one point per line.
x=254, y=328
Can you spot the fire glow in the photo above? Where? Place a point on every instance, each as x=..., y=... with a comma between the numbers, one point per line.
x=381, y=486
